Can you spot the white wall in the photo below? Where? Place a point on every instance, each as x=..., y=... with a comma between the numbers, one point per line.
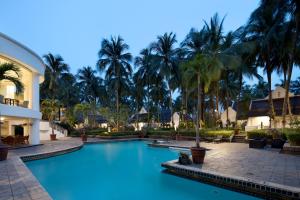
x=46, y=130
x=231, y=115
x=279, y=92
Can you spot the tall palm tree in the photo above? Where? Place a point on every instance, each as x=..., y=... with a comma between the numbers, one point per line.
x=137, y=91
x=213, y=47
x=262, y=29
x=11, y=73
x=69, y=93
x=289, y=47
x=165, y=53
x=55, y=67
x=201, y=70
x=193, y=44
x=115, y=60
x=145, y=72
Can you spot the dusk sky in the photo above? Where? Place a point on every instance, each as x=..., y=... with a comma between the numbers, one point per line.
x=74, y=28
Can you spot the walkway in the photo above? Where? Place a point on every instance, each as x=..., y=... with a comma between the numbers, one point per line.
x=17, y=181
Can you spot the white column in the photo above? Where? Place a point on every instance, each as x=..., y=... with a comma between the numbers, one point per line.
x=35, y=132
x=35, y=91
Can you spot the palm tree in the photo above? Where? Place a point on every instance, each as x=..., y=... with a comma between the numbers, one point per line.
x=114, y=58
x=263, y=28
x=165, y=53
x=289, y=46
x=146, y=70
x=213, y=48
x=205, y=70
x=55, y=67
x=69, y=93
x=11, y=73
x=91, y=88
x=193, y=44
x=137, y=91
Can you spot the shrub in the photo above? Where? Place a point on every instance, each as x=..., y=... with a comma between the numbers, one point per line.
x=293, y=136
x=258, y=134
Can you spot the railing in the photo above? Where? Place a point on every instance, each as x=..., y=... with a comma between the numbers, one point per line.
x=13, y=102
x=59, y=128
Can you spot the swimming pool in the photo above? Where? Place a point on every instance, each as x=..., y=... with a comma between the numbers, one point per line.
x=121, y=170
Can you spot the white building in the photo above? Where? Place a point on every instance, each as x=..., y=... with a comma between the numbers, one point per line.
x=231, y=116
x=23, y=110
x=258, y=116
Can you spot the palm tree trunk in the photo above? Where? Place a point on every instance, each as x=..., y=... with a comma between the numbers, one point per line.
x=186, y=108
x=171, y=107
x=148, y=99
x=239, y=97
x=286, y=95
x=202, y=102
x=227, y=101
x=217, y=100
x=117, y=104
x=271, y=108
x=198, y=123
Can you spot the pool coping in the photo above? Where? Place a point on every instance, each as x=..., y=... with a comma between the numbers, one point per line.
x=262, y=189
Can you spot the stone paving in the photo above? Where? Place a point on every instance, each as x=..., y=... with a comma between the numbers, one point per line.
x=17, y=181
x=237, y=159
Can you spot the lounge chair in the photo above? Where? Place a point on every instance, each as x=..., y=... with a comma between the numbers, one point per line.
x=218, y=139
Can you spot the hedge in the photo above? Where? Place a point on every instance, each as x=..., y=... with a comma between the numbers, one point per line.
x=293, y=136
x=260, y=133
x=192, y=133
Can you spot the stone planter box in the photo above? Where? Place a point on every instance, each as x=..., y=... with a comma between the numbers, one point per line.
x=257, y=143
x=289, y=149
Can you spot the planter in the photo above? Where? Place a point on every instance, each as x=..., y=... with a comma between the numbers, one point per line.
x=178, y=137
x=84, y=137
x=257, y=143
x=198, y=154
x=294, y=143
x=52, y=137
x=277, y=143
x=3, y=152
x=236, y=131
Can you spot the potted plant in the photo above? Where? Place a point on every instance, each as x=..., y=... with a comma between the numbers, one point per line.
x=199, y=66
x=49, y=110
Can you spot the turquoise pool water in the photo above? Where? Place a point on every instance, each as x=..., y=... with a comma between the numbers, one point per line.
x=122, y=170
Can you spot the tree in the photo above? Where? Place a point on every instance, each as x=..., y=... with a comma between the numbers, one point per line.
x=145, y=72
x=55, y=68
x=49, y=109
x=263, y=28
x=165, y=54
x=115, y=60
x=11, y=73
x=206, y=71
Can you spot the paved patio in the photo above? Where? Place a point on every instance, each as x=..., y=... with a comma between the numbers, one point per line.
x=237, y=159
x=17, y=181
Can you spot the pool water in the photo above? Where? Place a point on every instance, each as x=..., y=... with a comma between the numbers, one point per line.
x=121, y=170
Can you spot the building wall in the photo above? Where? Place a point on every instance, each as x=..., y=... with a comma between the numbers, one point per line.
x=279, y=92
x=231, y=116
x=32, y=73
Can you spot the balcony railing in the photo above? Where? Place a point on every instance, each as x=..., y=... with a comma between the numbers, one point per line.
x=13, y=102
